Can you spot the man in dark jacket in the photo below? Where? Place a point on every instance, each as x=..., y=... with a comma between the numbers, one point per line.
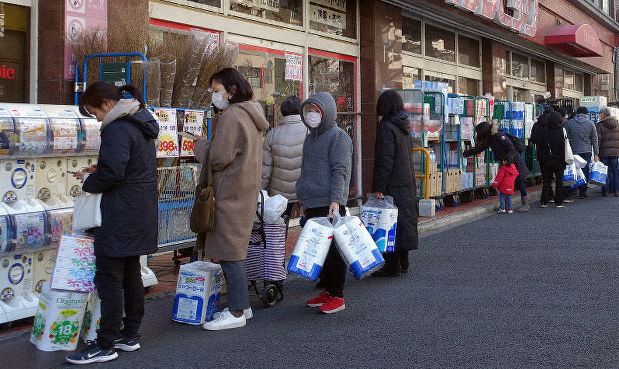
x=583, y=137
x=489, y=136
x=550, y=142
x=608, y=134
x=394, y=175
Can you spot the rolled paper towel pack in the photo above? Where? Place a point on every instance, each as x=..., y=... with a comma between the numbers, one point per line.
x=311, y=249
x=357, y=247
x=380, y=218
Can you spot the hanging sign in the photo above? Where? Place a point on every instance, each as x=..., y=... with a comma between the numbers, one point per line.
x=194, y=119
x=339, y=5
x=328, y=17
x=523, y=20
x=270, y=5
x=167, y=142
x=294, y=67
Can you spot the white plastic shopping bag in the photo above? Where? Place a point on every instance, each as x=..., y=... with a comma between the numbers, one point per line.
x=581, y=180
x=357, y=247
x=274, y=207
x=198, y=291
x=92, y=318
x=580, y=162
x=58, y=319
x=570, y=175
x=311, y=249
x=87, y=212
x=380, y=217
x=599, y=174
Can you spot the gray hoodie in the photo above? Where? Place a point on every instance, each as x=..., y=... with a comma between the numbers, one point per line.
x=327, y=159
x=582, y=135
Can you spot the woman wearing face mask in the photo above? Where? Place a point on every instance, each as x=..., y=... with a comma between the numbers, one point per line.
x=235, y=157
x=126, y=175
x=323, y=187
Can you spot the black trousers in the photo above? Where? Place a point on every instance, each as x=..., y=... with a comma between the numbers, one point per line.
x=552, y=173
x=333, y=273
x=120, y=288
x=396, y=262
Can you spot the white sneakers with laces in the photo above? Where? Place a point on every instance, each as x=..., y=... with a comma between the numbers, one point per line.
x=247, y=312
x=225, y=320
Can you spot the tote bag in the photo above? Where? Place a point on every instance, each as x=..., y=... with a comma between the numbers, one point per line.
x=569, y=155
x=87, y=212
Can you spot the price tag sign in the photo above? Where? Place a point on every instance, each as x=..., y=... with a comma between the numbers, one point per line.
x=193, y=121
x=294, y=67
x=167, y=142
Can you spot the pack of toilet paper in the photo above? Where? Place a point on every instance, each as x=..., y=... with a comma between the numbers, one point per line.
x=381, y=220
x=197, y=292
x=357, y=247
x=92, y=318
x=58, y=319
x=311, y=249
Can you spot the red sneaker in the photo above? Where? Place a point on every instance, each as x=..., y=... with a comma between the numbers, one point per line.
x=318, y=300
x=333, y=305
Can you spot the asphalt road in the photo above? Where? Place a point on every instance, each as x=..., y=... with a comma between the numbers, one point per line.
x=508, y=291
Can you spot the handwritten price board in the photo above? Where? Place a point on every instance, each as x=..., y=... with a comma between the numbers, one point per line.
x=167, y=142
x=192, y=123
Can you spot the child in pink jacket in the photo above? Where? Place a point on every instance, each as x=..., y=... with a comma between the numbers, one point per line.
x=504, y=183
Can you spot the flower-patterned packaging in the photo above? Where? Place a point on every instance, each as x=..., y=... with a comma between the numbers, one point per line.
x=30, y=231
x=75, y=264
x=60, y=223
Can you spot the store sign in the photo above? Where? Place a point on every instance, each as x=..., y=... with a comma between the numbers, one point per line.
x=7, y=72
x=328, y=17
x=294, y=67
x=523, y=20
x=270, y=5
x=339, y=5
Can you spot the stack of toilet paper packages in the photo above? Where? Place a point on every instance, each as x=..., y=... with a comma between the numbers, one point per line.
x=380, y=217
x=92, y=318
x=75, y=264
x=58, y=319
x=274, y=207
x=311, y=249
x=357, y=246
x=198, y=291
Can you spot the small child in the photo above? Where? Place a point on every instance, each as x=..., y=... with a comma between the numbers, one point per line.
x=504, y=182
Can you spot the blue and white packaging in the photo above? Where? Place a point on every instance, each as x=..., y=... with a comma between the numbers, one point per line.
x=570, y=175
x=197, y=292
x=311, y=249
x=357, y=247
x=599, y=174
x=380, y=217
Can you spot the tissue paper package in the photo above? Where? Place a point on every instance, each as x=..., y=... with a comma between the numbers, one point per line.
x=311, y=249
x=380, y=218
x=197, y=292
x=58, y=319
x=357, y=247
x=92, y=318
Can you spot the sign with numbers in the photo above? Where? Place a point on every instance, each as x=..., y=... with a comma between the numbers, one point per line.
x=193, y=122
x=167, y=142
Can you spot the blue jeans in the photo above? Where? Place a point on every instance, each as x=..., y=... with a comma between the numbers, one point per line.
x=612, y=183
x=505, y=201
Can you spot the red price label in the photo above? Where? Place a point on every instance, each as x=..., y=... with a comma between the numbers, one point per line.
x=188, y=145
x=167, y=146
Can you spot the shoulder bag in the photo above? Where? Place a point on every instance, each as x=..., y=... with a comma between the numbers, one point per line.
x=569, y=155
x=87, y=212
x=202, y=218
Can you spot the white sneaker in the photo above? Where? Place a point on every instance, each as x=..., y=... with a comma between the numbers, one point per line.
x=225, y=321
x=248, y=313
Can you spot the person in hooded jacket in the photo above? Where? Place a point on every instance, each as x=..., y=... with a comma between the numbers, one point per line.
x=394, y=175
x=608, y=133
x=489, y=136
x=504, y=183
x=126, y=176
x=583, y=137
x=323, y=187
x=235, y=157
x=550, y=143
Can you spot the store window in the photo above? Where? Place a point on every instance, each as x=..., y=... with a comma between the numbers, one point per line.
x=286, y=11
x=508, y=61
x=215, y=3
x=468, y=86
x=520, y=94
x=440, y=44
x=14, y=53
x=338, y=17
x=411, y=35
x=450, y=80
x=410, y=76
x=266, y=71
x=468, y=51
x=538, y=71
x=568, y=80
x=520, y=66
x=578, y=82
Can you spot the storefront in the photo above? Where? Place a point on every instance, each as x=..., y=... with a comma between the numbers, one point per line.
x=14, y=52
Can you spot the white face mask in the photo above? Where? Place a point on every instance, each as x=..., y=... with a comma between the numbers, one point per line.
x=313, y=118
x=219, y=101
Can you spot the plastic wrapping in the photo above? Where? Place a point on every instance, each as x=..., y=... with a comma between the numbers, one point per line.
x=152, y=69
x=357, y=247
x=7, y=132
x=33, y=135
x=30, y=230
x=7, y=243
x=380, y=218
x=311, y=249
x=60, y=223
x=198, y=45
x=168, y=75
x=75, y=264
x=92, y=318
x=197, y=292
x=599, y=174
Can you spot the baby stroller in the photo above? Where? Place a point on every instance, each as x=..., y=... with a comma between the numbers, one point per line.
x=266, y=256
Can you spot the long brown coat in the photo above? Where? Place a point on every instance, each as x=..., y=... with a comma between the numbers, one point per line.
x=235, y=155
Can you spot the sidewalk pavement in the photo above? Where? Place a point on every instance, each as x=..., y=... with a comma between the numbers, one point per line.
x=167, y=272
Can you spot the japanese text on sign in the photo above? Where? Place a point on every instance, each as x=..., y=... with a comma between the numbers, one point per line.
x=328, y=17
x=294, y=67
x=333, y=4
x=271, y=5
x=167, y=142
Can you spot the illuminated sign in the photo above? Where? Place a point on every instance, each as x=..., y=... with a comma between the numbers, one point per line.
x=518, y=15
x=7, y=72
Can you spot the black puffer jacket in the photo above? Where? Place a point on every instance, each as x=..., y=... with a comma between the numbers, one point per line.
x=127, y=177
x=394, y=175
x=551, y=142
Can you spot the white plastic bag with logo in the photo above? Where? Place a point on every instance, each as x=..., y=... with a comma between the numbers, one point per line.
x=380, y=217
x=357, y=247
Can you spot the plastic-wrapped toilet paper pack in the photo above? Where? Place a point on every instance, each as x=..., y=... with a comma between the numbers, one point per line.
x=58, y=319
x=380, y=218
x=92, y=318
x=357, y=247
x=198, y=291
x=311, y=249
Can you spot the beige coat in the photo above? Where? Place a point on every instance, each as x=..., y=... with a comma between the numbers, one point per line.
x=235, y=155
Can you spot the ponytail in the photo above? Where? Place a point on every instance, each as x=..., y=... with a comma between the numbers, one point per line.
x=134, y=92
x=99, y=91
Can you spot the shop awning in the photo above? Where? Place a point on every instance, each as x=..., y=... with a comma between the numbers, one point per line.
x=579, y=40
